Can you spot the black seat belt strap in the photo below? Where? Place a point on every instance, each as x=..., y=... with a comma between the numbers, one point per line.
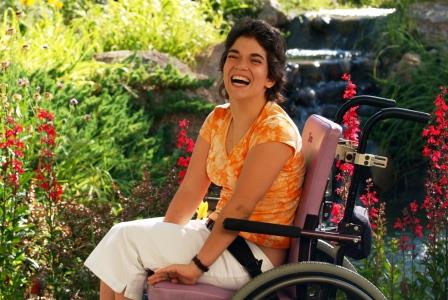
x=242, y=253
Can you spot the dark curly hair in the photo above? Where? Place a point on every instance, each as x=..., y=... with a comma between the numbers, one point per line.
x=271, y=39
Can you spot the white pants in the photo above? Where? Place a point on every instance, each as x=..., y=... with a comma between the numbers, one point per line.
x=130, y=248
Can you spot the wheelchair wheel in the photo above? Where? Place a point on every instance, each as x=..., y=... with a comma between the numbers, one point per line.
x=315, y=280
x=325, y=252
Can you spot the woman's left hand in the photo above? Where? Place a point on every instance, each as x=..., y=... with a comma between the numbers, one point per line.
x=185, y=274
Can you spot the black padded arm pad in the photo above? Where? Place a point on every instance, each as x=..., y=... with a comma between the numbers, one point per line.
x=261, y=227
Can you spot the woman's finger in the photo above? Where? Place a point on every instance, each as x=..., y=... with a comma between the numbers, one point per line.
x=158, y=277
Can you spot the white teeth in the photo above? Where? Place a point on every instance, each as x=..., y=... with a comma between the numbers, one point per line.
x=240, y=79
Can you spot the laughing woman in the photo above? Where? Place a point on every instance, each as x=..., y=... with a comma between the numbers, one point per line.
x=249, y=147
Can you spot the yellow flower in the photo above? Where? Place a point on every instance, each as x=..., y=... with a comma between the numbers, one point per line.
x=56, y=3
x=202, y=211
x=27, y=2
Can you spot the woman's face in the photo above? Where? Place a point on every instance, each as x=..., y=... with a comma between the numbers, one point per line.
x=245, y=71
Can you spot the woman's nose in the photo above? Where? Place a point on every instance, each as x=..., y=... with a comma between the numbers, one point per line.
x=240, y=67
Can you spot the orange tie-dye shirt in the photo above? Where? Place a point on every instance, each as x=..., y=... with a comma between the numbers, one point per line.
x=280, y=202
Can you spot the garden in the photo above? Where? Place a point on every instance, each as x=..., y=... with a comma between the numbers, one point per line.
x=87, y=142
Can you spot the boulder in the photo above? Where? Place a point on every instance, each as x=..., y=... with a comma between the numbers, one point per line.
x=207, y=66
x=431, y=21
x=271, y=13
x=151, y=57
x=404, y=68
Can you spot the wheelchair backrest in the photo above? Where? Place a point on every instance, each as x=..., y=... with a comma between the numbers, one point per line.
x=320, y=137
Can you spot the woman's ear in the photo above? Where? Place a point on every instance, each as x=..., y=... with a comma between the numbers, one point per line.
x=269, y=83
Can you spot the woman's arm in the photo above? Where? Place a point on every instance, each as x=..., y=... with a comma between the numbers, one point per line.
x=193, y=187
x=261, y=167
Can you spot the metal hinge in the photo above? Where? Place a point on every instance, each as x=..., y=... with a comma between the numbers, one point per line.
x=346, y=151
x=371, y=160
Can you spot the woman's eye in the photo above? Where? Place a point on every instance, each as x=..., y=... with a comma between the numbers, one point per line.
x=256, y=61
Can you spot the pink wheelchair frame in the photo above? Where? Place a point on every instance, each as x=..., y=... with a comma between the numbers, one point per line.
x=303, y=277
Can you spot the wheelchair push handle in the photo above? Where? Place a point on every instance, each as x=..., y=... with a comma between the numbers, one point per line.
x=386, y=113
x=363, y=100
x=390, y=113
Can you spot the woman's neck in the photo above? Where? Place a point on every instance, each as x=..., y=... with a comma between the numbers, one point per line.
x=244, y=113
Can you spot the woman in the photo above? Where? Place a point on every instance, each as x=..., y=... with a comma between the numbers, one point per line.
x=248, y=146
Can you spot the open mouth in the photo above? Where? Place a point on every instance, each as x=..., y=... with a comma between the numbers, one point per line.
x=240, y=80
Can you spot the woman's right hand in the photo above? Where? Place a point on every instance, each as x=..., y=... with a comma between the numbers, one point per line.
x=177, y=273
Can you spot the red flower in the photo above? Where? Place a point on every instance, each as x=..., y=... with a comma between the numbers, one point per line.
x=347, y=167
x=418, y=230
x=181, y=175
x=184, y=123
x=56, y=192
x=36, y=287
x=398, y=224
x=426, y=151
x=13, y=179
x=337, y=213
x=183, y=161
x=404, y=243
x=45, y=115
x=189, y=145
x=346, y=76
x=413, y=206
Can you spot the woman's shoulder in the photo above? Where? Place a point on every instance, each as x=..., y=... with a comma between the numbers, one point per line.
x=220, y=111
x=277, y=117
x=222, y=108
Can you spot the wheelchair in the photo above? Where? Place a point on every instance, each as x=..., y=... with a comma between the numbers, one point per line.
x=317, y=266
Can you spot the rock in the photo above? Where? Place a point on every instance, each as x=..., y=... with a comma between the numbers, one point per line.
x=207, y=62
x=431, y=21
x=305, y=97
x=271, y=13
x=408, y=62
x=321, y=24
x=148, y=57
x=329, y=110
x=207, y=65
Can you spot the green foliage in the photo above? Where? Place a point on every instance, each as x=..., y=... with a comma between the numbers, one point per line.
x=39, y=40
x=103, y=137
x=232, y=10
x=412, y=88
x=139, y=24
x=107, y=136
x=436, y=269
x=43, y=39
x=19, y=151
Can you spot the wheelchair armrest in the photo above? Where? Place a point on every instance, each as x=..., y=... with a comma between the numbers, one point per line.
x=261, y=227
x=288, y=231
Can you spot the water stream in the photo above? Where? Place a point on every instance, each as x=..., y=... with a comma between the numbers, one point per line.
x=321, y=47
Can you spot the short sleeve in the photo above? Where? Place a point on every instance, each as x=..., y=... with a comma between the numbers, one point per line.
x=276, y=129
x=206, y=130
